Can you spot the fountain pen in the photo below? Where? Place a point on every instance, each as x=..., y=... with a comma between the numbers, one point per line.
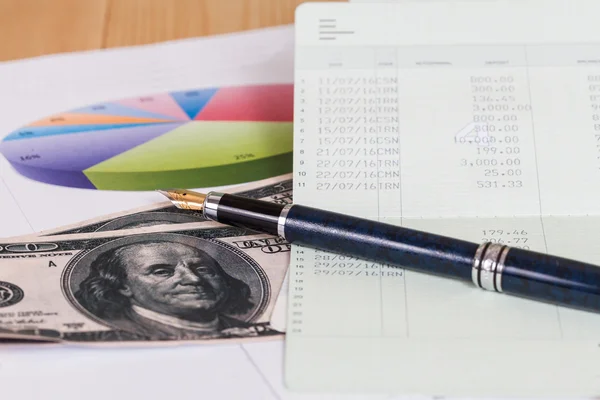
x=488, y=266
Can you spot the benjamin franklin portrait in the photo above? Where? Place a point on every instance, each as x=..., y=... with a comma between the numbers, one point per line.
x=165, y=286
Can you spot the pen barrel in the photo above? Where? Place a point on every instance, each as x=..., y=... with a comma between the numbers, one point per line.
x=552, y=279
x=257, y=215
x=379, y=242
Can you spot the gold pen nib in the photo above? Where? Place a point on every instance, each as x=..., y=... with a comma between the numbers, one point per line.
x=185, y=199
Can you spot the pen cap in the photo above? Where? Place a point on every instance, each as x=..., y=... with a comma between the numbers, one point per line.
x=380, y=242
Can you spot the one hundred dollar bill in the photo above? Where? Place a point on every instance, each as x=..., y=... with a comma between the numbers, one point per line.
x=198, y=281
x=277, y=189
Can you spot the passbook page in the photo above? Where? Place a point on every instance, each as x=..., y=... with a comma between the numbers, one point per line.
x=477, y=120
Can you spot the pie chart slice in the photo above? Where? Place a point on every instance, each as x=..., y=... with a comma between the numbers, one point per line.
x=162, y=104
x=117, y=109
x=191, y=139
x=58, y=159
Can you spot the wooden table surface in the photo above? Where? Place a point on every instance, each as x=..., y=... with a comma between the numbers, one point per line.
x=30, y=28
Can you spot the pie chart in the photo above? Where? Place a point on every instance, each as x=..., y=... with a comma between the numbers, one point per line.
x=189, y=139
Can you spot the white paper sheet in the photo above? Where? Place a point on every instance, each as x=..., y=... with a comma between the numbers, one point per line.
x=34, y=88
x=397, y=107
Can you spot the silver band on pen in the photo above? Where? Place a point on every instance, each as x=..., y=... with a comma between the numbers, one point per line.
x=211, y=204
x=281, y=220
x=488, y=265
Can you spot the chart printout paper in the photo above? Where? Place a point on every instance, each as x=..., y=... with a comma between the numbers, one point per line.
x=35, y=88
x=474, y=120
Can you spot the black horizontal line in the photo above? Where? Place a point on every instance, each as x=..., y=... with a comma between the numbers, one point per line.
x=327, y=20
x=337, y=32
x=327, y=38
x=327, y=26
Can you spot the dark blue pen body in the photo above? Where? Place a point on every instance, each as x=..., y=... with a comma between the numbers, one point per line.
x=375, y=241
x=552, y=279
x=514, y=271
